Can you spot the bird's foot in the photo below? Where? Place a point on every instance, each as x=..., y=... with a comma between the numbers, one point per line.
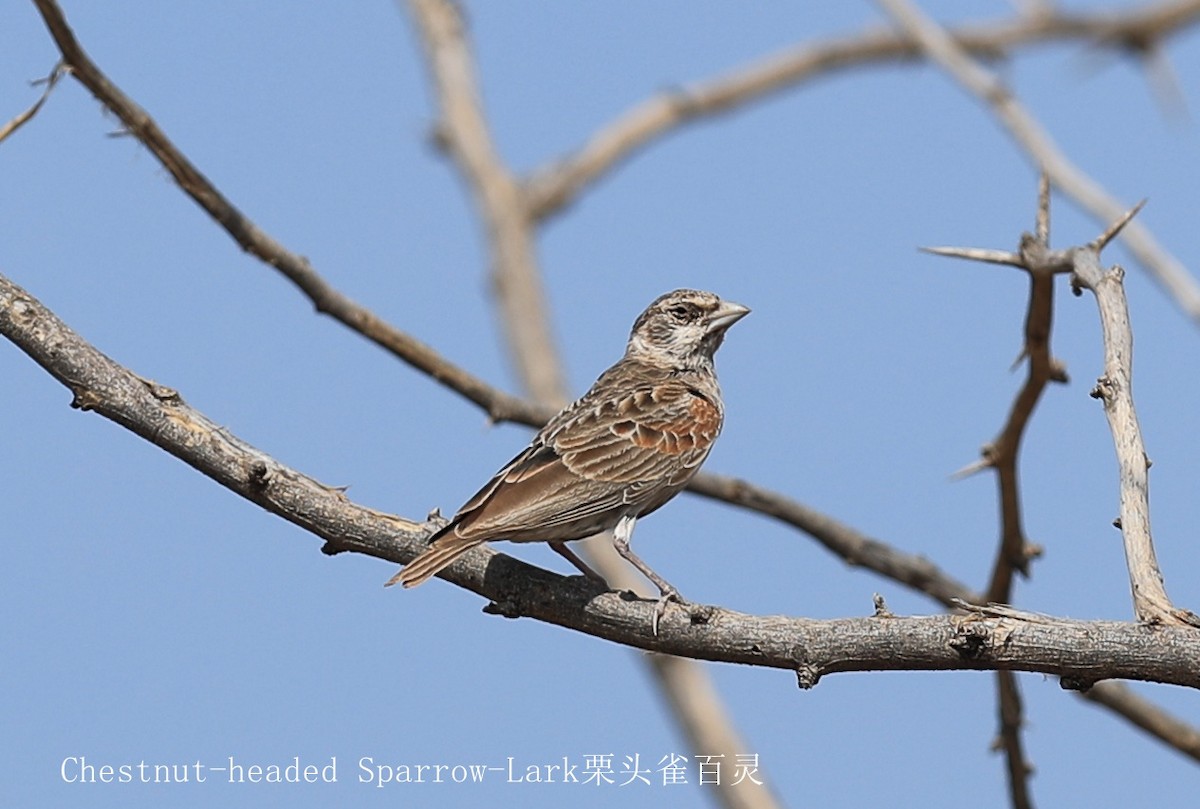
x=660, y=606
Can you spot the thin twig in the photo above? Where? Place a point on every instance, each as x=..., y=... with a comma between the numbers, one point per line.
x=1003, y=452
x=1144, y=714
x=1010, y=741
x=847, y=543
x=24, y=117
x=1114, y=388
x=977, y=254
x=1014, y=552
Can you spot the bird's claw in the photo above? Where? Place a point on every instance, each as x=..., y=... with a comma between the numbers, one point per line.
x=660, y=607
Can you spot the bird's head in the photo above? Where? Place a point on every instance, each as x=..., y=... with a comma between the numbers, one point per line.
x=683, y=329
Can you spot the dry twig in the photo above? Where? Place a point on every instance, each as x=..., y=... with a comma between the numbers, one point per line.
x=1042, y=263
x=23, y=118
x=1114, y=388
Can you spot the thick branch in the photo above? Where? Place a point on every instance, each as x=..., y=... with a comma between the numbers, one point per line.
x=158, y=414
x=1080, y=652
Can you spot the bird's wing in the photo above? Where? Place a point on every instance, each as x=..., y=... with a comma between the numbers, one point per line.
x=534, y=497
x=594, y=458
x=657, y=431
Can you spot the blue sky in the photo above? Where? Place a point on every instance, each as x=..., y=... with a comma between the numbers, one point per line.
x=152, y=615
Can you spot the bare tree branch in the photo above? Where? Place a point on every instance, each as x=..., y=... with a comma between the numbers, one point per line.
x=1114, y=388
x=1079, y=652
x=854, y=547
x=952, y=57
x=327, y=300
x=1036, y=257
x=1015, y=551
x=1002, y=454
x=941, y=48
x=1146, y=715
x=552, y=188
x=464, y=131
x=700, y=710
x=1010, y=741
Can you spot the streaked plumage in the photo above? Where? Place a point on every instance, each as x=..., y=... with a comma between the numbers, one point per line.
x=625, y=448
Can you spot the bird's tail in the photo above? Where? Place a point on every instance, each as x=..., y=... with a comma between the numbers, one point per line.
x=433, y=559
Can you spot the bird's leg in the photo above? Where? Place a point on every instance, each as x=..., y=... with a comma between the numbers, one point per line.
x=570, y=555
x=621, y=536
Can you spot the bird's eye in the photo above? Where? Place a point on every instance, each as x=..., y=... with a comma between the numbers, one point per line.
x=680, y=313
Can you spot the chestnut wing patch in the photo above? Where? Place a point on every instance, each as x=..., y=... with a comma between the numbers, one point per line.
x=655, y=432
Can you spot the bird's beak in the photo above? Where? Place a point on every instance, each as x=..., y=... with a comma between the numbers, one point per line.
x=725, y=316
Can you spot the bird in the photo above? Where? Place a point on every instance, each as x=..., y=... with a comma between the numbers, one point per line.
x=618, y=453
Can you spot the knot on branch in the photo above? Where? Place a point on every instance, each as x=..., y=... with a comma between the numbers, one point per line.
x=161, y=392
x=332, y=547
x=971, y=639
x=1106, y=389
x=700, y=614
x=259, y=475
x=881, y=608
x=507, y=607
x=1076, y=683
x=807, y=676
x=85, y=399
